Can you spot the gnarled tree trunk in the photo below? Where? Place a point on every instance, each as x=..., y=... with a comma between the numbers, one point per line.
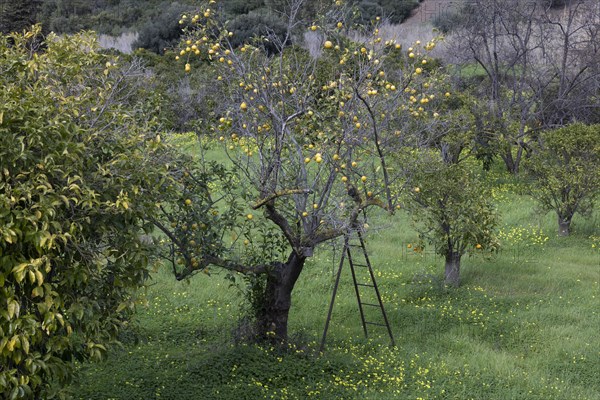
x=452, y=275
x=564, y=226
x=272, y=321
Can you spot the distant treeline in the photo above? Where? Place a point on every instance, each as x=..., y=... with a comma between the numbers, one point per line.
x=156, y=21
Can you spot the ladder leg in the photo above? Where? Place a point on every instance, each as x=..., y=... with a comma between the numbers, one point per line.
x=360, y=308
x=368, y=262
x=335, y=288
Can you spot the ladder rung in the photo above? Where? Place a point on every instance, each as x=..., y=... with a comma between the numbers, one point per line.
x=365, y=285
x=370, y=304
x=374, y=323
x=360, y=265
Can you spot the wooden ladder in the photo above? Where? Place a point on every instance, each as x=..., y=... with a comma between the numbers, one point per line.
x=359, y=286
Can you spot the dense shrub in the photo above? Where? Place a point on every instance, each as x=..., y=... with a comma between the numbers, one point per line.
x=19, y=15
x=447, y=21
x=76, y=187
x=109, y=16
x=395, y=11
x=163, y=31
x=398, y=10
x=246, y=27
x=238, y=7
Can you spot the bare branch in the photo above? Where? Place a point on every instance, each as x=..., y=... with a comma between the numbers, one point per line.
x=281, y=193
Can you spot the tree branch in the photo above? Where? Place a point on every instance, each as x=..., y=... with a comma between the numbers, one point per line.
x=386, y=178
x=280, y=193
x=222, y=263
x=283, y=224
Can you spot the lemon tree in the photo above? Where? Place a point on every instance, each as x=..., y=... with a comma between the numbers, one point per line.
x=309, y=134
x=449, y=204
x=451, y=210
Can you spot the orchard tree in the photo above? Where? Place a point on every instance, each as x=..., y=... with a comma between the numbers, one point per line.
x=565, y=171
x=451, y=209
x=78, y=180
x=449, y=204
x=500, y=39
x=308, y=138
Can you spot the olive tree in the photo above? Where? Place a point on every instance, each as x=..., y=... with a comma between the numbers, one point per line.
x=76, y=187
x=308, y=138
x=564, y=169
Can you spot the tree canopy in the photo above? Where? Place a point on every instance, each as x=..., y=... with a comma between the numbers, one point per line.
x=564, y=169
x=76, y=189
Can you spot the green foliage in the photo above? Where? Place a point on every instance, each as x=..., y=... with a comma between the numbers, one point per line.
x=66, y=16
x=368, y=11
x=186, y=99
x=451, y=207
x=105, y=16
x=454, y=135
x=15, y=16
x=163, y=30
x=256, y=25
x=447, y=21
x=193, y=220
x=238, y=7
x=394, y=10
x=397, y=10
x=565, y=171
x=77, y=183
x=260, y=243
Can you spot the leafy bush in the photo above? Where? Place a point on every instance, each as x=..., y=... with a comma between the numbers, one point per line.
x=398, y=11
x=163, y=31
x=367, y=11
x=16, y=16
x=105, y=16
x=394, y=10
x=238, y=7
x=76, y=185
x=249, y=26
x=448, y=21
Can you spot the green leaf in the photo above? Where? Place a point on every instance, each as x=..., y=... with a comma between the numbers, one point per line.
x=37, y=291
x=13, y=309
x=25, y=344
x=19, y=268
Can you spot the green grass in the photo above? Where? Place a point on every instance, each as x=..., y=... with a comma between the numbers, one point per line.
x=523, y=325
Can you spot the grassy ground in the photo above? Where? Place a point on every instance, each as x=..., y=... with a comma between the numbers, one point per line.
x=523, y=325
